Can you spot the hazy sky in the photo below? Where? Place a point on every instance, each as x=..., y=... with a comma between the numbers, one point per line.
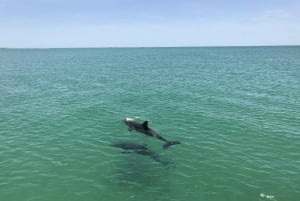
x=117, y=23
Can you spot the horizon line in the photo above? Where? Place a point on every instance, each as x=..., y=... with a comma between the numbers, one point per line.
x=108, y=47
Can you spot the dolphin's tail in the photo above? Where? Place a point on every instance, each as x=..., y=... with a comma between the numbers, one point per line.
x=170, y=143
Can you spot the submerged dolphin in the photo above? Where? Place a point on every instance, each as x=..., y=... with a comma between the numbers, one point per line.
x=143, y=128
x=130, y=147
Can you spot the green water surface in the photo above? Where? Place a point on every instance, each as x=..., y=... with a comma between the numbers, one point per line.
x=236, y=111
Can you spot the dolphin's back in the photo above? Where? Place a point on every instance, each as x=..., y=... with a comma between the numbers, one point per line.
x=133, y=124
x=143, y=128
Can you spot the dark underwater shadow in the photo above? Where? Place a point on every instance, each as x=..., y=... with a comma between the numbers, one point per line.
x=138, y=172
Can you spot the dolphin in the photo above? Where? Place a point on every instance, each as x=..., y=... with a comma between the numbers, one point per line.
x=130, y=147
x=143, y=128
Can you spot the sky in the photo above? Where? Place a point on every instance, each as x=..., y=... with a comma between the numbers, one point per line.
x=148, y=23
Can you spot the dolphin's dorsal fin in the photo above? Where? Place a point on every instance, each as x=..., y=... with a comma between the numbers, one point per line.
x=145, y=125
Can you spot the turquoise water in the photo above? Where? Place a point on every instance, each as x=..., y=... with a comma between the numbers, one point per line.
x=236, y=111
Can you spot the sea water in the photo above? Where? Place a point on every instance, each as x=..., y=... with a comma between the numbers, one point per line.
x=236, y=111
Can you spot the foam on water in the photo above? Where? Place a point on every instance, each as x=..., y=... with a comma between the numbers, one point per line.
x=269, y=197
x=129, y=119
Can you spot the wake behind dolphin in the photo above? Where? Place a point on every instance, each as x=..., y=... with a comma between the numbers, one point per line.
x=143, y=128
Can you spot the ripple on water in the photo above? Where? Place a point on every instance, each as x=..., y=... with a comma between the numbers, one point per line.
x=235, y=110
